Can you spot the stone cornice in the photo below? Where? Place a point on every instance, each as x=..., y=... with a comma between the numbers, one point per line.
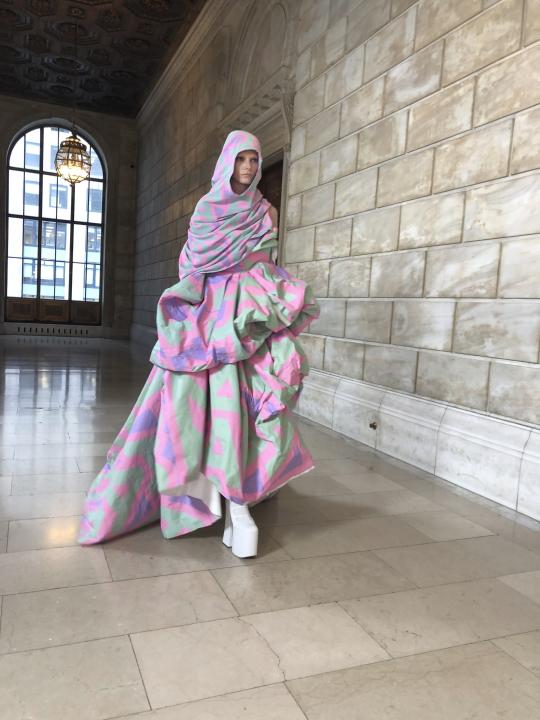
x=204, y=28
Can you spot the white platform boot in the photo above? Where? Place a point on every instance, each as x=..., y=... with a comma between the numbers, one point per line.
x=241, y=534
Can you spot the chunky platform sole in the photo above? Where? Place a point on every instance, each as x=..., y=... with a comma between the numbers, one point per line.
x=241, y=534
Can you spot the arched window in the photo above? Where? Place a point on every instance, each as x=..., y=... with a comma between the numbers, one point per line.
x=54, y=234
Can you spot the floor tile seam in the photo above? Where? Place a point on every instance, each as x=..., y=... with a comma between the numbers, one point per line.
x=224, y=591
x=365, y=629
x=140, y=672
x=57, y=587
x=509, y=655
x=128, y=633
x=102, y=582
x=419, y=588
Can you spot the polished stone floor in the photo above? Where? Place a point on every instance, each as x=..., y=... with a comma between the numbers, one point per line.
x=380, y=592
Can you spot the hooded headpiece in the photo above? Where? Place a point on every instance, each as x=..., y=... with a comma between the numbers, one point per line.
x=226, y=226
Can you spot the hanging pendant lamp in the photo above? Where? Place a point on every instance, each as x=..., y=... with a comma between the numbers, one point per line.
x=72, y=161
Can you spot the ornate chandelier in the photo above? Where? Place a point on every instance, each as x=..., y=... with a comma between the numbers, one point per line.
x=72, y=161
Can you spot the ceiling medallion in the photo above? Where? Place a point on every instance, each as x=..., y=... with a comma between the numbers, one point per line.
x=42, y=7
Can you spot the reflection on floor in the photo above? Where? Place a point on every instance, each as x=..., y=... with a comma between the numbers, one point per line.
x=379, y=592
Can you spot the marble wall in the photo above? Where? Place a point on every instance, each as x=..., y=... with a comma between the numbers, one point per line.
x=414, y=196
x=116, y=138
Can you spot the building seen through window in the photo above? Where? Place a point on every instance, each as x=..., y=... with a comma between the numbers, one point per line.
x=54, y=229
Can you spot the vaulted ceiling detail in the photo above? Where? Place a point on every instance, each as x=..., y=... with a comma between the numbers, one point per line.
x=107, y=54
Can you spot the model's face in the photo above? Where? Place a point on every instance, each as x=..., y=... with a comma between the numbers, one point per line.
x=245, y=167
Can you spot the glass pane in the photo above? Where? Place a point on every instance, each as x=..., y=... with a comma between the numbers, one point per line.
x=77, y=281
x=16, y=192
x=32, y=150
x=79, y=243
x=81, y=201
x=92, y=282
x=30, y=237
x=31, y=193
x=94, y=243
x=46, y=285
x=95, y=202
x=14, y=277
x=51, y=141
x=15, y=237
x=97, y=169
x=56, y=198
x=16, y=159
x=61, y=281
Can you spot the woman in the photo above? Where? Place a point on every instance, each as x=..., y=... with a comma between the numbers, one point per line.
x=214, y=417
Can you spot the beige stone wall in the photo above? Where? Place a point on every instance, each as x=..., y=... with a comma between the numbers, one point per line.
x=116, y=139
x=414, y=196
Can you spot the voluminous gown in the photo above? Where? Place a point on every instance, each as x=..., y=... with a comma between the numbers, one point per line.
x=214, y=417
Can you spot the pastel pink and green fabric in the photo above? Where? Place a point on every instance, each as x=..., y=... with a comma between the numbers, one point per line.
x=217, y=405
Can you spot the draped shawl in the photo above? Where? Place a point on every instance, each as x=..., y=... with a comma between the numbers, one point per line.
x=226, y=226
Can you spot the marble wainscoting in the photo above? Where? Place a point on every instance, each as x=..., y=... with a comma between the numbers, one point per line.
x=496, y=458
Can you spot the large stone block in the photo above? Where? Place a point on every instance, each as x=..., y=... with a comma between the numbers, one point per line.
x=476, y=157
x=303, y=68
x=333, y=239
x=503, y=209
x=437, y=17
x=309, y=100
x=298, y=142
x=375, y=231
x=315, y=274
x=406, y=178
x=447, y=113
x=390, y=366
x=322, y=129
x=463, y=271
x=313, y=345
x=318, y=204
x=356, y=193
x=390, y=45
x=532, y=21
x=299, y=245
x=508, y=329
x=369, y=320
x=294, y=211
x=397, y=274
x=492, y=35
x=514, y=391
x=329, y=48
x=349, y=277
x=339, y=159
x=423, y=323
x=304, y=173
x=362, y=107
x=453, y=379
x=509, y=86
x=414, y=78
x=526, y=142
x=345, y=76
x=313, y=21
x=519, y=275
x=331, y=320
x=344, y=357
x=433, y=221
x=365, y=20
x=382, y=141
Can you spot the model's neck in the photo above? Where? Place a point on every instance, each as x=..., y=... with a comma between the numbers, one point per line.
x=238, y=187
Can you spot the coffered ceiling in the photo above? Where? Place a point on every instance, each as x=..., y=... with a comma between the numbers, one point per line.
x=106, y=54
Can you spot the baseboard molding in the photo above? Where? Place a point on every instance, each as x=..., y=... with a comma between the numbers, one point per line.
x=493, y=457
